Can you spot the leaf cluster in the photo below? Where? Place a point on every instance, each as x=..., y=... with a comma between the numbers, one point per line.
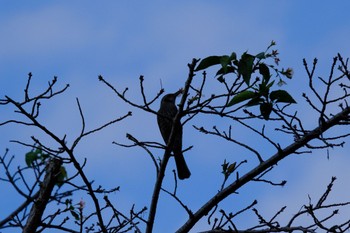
x=260, y=92
x=38, y=156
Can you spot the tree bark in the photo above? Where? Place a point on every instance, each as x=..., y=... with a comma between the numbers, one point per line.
x=46, y=187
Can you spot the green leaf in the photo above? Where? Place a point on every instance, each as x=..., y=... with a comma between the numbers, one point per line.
x=255, y=101
x=61, y=176
x=233, y=56
x=68, y=202
x=265, y=72
x=260, y=55
x=270, y=84
x=245, y=67
x=208, y=61
x=224, y=166
x=44, y=156
x=225, y=61
x=229, y=69
x=231, y=168
x=281, y=96
x=38, y=150
x=245, y=95
x=264, y=90
x=221, y=79
x=265, y=110
x=75, y=215
x=30, y=157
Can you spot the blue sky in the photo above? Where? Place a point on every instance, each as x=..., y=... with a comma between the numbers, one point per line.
x=77, y=41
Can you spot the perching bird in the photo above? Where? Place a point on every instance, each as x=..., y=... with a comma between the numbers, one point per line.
x=169, y=110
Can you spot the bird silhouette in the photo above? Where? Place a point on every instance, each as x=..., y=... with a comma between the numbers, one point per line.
x=167, y=112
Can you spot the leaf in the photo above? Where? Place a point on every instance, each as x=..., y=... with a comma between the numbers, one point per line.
x=265, y=72
x=38, y=150
x=68, y=202
x=208, y=61
x=245, y=67
x=233, y=56
x=221, y=79
x=44, y=156
x=281, y=96
x=255, y=101
x=245, y=95
x=30, y=157
x=264, y=90
x=270, y=84
x=225, y=61
x=260, y=55
x=265, y=110
x=231, y=168
x=229, y=69
x=61, y=176
x=224, y=166
x=75, y=215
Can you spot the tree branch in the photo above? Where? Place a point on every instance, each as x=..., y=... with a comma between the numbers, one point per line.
x=159, y=181
x=34, y=218
x=315, y=133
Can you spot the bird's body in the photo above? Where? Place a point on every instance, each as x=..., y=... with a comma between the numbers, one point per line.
x=167, y=112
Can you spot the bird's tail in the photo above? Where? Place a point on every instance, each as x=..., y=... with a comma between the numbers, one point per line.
x=182, y=170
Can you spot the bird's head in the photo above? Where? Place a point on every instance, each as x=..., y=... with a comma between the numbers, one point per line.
x=170, y=98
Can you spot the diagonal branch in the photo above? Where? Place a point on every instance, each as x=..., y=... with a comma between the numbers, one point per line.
x=292, y=148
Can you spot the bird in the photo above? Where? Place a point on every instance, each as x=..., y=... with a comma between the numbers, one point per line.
x=165, y=119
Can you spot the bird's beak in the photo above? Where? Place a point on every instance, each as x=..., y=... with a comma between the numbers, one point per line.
x=179, y=92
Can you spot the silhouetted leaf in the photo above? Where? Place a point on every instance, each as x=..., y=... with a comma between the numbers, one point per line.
x=282, y=97
x=208, y=61
x=221, y=79
x=75, y=215
x=229, y=69
x=224, y=166
x=270, y=84
x=245, y=95
x=264, y=90
x=265, y=72
x=61, y=176
x=255, y=101
x=265, y=110
x=233, y=56
x=231, y=168
x=225, y=61
x=30, y=157
x=260, y=55
x=245, y=67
